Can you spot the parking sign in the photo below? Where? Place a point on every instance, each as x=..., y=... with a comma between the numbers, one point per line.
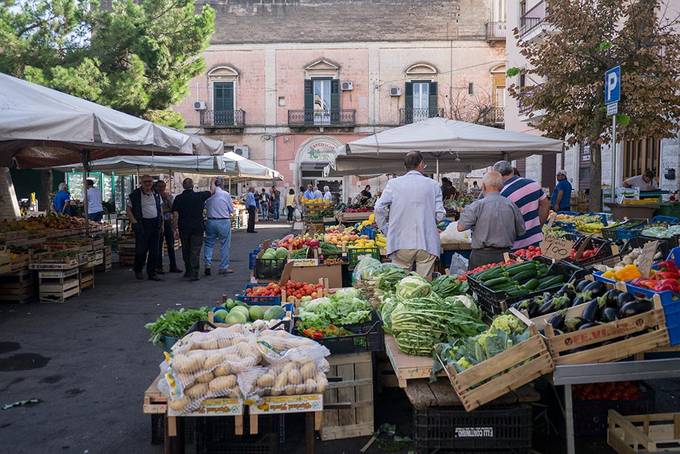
x=612, y=85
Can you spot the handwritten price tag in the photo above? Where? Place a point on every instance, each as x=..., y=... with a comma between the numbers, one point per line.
x=556, y=248
x=647, y=258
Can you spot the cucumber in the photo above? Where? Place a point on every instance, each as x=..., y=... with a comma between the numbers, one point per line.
x=497, y=282
x=532, y=284
x=489, y=274
x=520, y=267
x=524, y=276
x=519, y=291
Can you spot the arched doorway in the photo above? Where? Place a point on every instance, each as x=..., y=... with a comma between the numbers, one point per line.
x=311, y=158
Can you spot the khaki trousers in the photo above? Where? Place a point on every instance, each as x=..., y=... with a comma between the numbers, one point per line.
x=423, y=260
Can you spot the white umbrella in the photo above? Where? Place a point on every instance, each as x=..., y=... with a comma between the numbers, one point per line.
x=251, y=170
x=132, y=165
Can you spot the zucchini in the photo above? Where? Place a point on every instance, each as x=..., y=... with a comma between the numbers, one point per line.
x=489, y=274
x=518, y=291
x=513, y=270
x=524, y=276
x=532, y=284
x=497, y=282
x=550, y=281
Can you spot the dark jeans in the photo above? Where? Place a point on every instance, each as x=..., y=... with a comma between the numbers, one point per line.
x=251, y=219
x=291, y=211
x=169, y=237
x=192, y=241
x=479, y=257
x=96, y=217
x=277, y=210
x=147, y=240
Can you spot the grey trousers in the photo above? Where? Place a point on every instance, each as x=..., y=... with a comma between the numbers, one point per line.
x=479, y=257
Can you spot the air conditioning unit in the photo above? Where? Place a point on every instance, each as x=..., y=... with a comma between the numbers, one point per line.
x=199, y=105
x=395, y=91
x=347, y=85
x=242, y=150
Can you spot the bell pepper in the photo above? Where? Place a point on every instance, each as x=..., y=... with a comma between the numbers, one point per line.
x=667, y=285
x=660, y=275
x=627, y=273
x=668, y=265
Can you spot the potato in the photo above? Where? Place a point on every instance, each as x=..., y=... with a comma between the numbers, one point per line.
x=321, y=382
x=180, y=362
x=224, y=342
x=266, y=380
x=310, y=386
x=196, y=391
x=179, y=404
x=221, y=371
x=308, y=370
x=276, y=391
x=300, y=389
x=289, y=366
x=222, y=383
x=294, y=377
x=281, y=380
x=212, y=361
x=205, y=378
x=208, y=344
x=290, y=390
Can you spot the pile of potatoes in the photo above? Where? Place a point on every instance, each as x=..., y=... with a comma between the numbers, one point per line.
x=293, y=378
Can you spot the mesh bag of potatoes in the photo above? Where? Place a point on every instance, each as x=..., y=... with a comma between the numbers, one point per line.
x=211, y=340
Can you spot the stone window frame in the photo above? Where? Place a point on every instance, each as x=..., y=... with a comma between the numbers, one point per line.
x=222, y=73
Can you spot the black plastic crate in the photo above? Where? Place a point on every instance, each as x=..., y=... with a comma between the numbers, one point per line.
x=604, y=249
x=353, y=254
x=367, y=337
x=499, y=429
x=590, y=416
x=494, y=303
x=626, y=231
x=215, y=435
x=665, y=244
x=269, y=268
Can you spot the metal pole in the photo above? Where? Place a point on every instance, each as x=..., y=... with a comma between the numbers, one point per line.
x=613, y=177
x=569, y=416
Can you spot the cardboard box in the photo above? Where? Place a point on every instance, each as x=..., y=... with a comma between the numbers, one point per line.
x=312, y=274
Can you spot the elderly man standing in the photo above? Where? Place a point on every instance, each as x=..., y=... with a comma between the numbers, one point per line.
x=251, y=206
x=188, y=219
x=531, y=201
x=220, y=209
x=495, y=222
x=407, y=212
x=146, y=217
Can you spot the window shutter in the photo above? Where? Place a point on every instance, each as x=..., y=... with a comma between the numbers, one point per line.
x=309, y=101
x=432, y=102
x=335, y=101
x=408, y=102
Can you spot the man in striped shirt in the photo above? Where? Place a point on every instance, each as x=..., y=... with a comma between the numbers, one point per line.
x=531, y=201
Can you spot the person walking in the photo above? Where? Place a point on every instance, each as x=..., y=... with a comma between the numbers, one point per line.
x=496, y=223
x=145, y=215
x=327, y=195
x=61, y=202
x=264, y=205
x=95, y=210
x=251, y=206
x=531, y=201
x=219, y=209
x=561, y=196
x=168, y=235
x=408, y=212
x=290, y=204
x=276, y=203
x=187, y=216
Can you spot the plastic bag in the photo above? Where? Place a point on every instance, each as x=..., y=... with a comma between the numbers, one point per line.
x=459, y=264
x=452, y=235
x=366, y=268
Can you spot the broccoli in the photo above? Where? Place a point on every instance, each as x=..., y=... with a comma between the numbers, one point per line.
x=508, y=323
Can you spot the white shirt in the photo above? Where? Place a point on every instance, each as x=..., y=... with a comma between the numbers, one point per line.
x=94, y=201
x=408, y=211
x=328, y=196
x=148, y=202
x=639, y=182
x=219, y=205
x=318, y=195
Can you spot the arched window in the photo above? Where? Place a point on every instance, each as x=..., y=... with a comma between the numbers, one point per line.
x=420, y=89
x=222, y=81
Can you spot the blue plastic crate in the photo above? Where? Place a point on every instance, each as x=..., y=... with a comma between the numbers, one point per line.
x=667, y=297
x=667, y=219
x=257, y=300
x=369, y=232
x=251, y=258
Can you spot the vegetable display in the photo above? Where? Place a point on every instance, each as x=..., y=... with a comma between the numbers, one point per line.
x=446, y=286
x=271, y=289
x=519, y=279
x=666, y=277
x=481, y=268
x=175, y=323
x=413, y=286
x=624, y=390
x=233, y=312
x=571, y=294
x=342, y=308
x=301, y=291
x=661, y=231
x=389, y=277
x=528, y=253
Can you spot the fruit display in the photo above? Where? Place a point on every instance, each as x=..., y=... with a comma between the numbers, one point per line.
x=341, y=239
x=665, y=277
x=238, y=361
x=481, y=268
x=293, y=242
x=234, y=312
x=302, y=291
x=362, y=243
x=528, y=253
x=271, y=289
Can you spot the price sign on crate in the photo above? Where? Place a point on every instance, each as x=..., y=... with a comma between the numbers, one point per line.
x=647, y=258
x=556, y=248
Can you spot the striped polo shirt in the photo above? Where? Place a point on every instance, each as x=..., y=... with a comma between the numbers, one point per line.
x=526, y=194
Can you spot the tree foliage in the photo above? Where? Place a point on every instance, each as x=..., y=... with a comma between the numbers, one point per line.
x=565, y=73
x=137, y=56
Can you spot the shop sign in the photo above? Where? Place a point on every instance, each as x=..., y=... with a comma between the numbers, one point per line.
x=319, y=151
x=287, y=404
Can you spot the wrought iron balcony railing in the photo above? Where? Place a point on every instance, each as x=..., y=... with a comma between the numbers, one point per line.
x=414, y=115
x=308, y=117
x=495, y=31
x=223, y=118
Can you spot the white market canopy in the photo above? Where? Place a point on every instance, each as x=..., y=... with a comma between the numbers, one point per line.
x=42, y=127
x=456, y=146
x=251, y=170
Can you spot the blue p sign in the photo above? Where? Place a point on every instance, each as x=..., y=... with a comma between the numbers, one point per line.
x=612, y=85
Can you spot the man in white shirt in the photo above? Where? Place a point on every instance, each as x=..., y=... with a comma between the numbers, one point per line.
x=327, y=195
x=317, y=193
x=407, y=212
x=646, y=182
x=145, y=213
x=95, y=210
x=220, y=208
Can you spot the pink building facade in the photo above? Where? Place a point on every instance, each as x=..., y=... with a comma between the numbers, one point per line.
x=285, y=90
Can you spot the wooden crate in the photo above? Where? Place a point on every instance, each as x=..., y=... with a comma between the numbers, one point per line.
x=407, y=367
x=86, y=279
x=507, y=371
x=348, y=402
x=354, y=217
x=424, y=394
x=644, y=433
x=57, y=264
x=626, y=337
x=17, y=287
x=57, y=286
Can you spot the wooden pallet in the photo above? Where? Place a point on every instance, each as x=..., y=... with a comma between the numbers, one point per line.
x=348, y=402
x=626, y=337
x=86, y=279
x=407, y=367
x=423, y=394
x=644, y=433
x=62, y=264
x=499, y=375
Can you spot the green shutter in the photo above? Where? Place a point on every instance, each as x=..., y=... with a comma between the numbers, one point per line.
x=408, y=102
x=309, y=101
x=432, y=101
x=335, y=101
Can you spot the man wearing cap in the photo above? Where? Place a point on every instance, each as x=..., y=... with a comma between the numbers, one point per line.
x=561, y=196
x=220, y=208
x=645, y=182
x=531, y=201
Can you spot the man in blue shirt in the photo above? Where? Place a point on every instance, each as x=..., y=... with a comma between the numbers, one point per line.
x=561, y=196
x=251, y=206
x=309, y=193
x=60, y=202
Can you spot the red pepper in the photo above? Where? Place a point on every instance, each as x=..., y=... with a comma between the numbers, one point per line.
x=659, y=275
x=667, y=284
x=668, y=265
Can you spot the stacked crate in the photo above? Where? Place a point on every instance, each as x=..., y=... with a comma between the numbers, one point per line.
x=17, y=287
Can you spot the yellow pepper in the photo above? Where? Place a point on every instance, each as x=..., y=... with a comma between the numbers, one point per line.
x=610, y=274
x=627, y=273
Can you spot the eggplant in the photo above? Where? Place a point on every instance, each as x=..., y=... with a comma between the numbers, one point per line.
x=587, y=325
x=532, y=310
x=557, y=320
x=590, y=312
x=611, y=297
x=624, y=298
x=609, y=314
x=578, y=300
x=568, y=290
x=582, y=285
x=635, y=307
x=546, y=308
x=573, y=323
x=595, y=289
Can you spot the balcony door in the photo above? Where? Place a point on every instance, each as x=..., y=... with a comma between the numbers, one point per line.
x=322, y=101
x=421, y=100
x=223, y=103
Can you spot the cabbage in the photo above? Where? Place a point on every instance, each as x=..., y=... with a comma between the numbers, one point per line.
x=413, y=286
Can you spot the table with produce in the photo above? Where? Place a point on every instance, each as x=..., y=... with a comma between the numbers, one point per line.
x=484, y=333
